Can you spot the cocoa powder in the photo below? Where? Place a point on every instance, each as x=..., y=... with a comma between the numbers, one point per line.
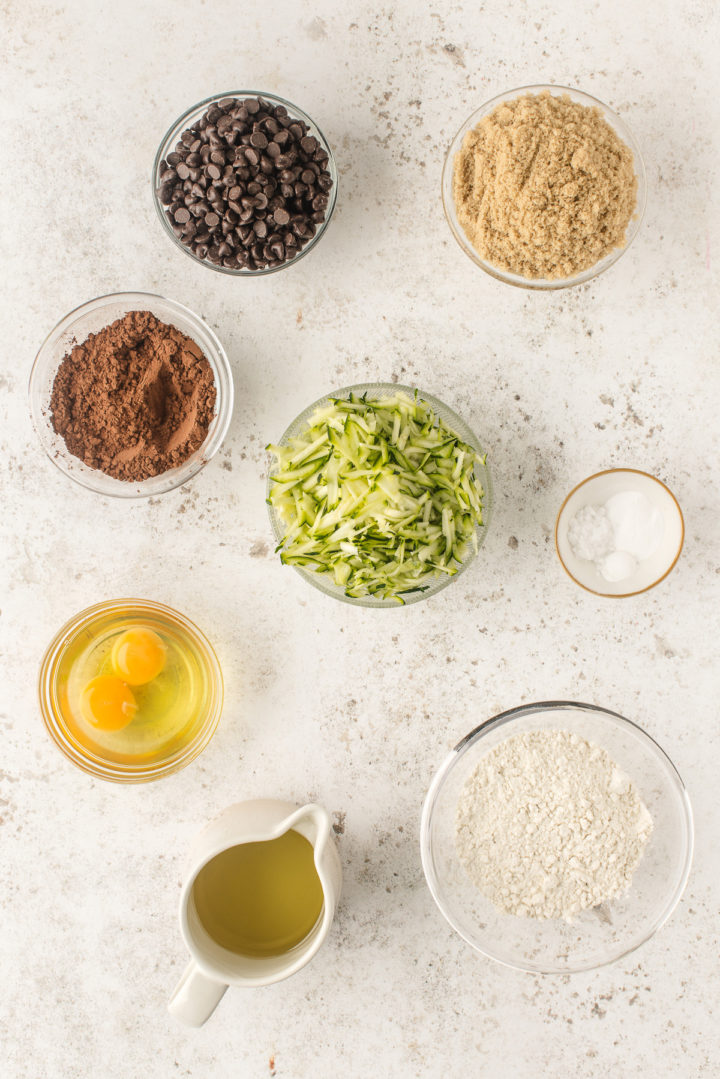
x=135, y=399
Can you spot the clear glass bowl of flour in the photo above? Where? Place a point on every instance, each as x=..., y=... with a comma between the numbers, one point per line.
x=598, y=935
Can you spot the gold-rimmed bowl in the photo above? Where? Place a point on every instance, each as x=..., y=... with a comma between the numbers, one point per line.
x=595, y=491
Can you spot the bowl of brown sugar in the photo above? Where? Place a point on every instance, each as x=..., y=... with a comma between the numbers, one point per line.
x=544, y=187
x=131, y=394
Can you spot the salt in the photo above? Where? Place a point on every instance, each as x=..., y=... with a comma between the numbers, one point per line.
x=637, y=525
x=626, y=530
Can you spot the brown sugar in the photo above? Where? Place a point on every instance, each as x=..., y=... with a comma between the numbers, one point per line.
x=544, y=187
x=135, y=399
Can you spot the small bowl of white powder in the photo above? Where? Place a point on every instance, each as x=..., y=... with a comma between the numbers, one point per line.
x=619, y=532
x=557, y=837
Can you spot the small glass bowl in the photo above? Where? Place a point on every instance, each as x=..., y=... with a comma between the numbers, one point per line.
x=90, y=318
x=542, y=283
x=95, y=622
x=187, y=120
x=596, y=936
x=595, y=491
x=324, y=582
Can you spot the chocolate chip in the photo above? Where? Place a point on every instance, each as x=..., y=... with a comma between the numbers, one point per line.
x=246, y=186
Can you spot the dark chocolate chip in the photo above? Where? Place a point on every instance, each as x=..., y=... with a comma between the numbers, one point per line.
x=248, y=174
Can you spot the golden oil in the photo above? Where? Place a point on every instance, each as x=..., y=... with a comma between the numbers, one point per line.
x=260, y=899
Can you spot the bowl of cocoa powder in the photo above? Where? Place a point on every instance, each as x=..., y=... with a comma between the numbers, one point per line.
x=544, y=187
x=131, y=394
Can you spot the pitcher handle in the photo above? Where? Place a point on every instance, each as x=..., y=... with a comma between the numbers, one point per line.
x=196, y=996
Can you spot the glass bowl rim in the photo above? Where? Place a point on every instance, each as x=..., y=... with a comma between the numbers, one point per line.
x=95, y=765
x=502, y=719
x=172, y=134
x=653, y=584
x=224, y=389
x=541, y=284
x=487, y=505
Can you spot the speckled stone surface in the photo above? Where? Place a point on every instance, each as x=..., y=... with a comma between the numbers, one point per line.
x=355, y=708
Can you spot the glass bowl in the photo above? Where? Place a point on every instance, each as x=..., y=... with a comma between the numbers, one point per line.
x=90, y=318
x=541, y=283
x=325, y=583
x=595, y=491
x=108, y=757
x=596, y=936
x=187, y=120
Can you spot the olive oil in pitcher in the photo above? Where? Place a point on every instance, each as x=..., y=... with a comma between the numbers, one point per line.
x=260, y=899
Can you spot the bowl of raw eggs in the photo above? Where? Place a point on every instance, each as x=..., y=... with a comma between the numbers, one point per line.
x=130, y=690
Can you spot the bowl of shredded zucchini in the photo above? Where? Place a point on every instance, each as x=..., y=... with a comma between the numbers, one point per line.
x=379, y=495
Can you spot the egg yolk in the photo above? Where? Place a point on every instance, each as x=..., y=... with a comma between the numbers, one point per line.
x=108, y=703
x=138, y=655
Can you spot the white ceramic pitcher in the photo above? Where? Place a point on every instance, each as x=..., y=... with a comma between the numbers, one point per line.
x=213, y=968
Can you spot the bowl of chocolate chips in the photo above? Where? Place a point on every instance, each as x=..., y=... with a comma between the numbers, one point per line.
x=245, y=182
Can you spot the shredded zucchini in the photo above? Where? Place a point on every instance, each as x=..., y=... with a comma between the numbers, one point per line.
x=379, y=494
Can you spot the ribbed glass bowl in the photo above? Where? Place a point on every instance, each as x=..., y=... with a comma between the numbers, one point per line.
x=541, y=283
x=93, y=624
x=90, y=318
x=596, y=936
x=324, y=582
x=191, y=117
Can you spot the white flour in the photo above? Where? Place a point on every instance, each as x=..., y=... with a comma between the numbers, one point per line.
x=547, y=825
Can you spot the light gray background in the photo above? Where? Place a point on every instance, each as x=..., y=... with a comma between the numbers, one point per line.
x=355, y=708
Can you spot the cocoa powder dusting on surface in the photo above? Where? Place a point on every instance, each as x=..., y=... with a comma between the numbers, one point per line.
x=135, y=399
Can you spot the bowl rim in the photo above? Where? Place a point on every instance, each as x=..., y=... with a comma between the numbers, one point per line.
x=174, y=477
x=172, y=134
x=541, y=284
x=95, y=765
x=314, y=579
x=507, y=717
x=638, y=591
